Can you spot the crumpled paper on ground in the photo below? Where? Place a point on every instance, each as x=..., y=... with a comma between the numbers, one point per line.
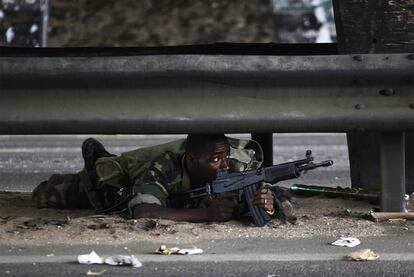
x=93, y=258
x=363, y=255
x=123, y=260
x=164, y=250
x=347, y=241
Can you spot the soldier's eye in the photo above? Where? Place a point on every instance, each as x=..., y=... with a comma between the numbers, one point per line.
x=215, y=159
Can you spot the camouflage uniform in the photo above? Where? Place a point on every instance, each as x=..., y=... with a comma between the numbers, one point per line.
x=151, y=175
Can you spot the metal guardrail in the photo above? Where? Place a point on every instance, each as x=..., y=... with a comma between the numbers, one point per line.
x=206, y=93
x=139, y=94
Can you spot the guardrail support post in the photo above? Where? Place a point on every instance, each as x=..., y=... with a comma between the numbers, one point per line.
x=266, y=141
x=392, y=161
x=360, y=29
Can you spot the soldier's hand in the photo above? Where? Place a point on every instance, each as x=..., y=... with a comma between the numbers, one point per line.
x=263, y=198
x=222, y=207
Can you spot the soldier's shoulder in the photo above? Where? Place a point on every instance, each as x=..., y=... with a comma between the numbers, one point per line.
x=150, y=153
x=245, y=154
x=167, y=161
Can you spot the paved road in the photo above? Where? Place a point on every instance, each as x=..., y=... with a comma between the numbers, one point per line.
x=253, y=257
x=269, y=269
x=27, y=160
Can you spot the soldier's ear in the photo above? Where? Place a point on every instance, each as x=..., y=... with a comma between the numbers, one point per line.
x=192, y=161
x=189, y=159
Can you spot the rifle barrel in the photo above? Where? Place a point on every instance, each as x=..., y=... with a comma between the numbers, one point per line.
x=310, y=166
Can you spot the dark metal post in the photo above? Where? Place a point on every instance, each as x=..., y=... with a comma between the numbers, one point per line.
x=363, y=149
x=409, y=162
x=360, y=29
x=392, y=160
x=266, y=141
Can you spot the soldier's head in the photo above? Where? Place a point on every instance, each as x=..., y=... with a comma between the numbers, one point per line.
x=205, y=155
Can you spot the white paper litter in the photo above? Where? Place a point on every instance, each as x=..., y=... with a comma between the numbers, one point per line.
x=123, y=260
x=347, y=241
x=91, y=258
x=192, y=251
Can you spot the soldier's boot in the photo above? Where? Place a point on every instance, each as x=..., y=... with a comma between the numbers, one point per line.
x=92, y=150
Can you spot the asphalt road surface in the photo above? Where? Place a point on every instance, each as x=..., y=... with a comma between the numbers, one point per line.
x=269, y=269
x=25, y=161
x=253, y=257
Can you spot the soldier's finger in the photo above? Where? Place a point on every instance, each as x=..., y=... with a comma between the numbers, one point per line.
x=264, y=202
x=263, y=193
x=259, y=203
x=269, y=205
x=264, y=190
x=257, y=200
x=259, y=197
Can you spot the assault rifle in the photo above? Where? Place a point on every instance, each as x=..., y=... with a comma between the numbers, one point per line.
x=247, y=182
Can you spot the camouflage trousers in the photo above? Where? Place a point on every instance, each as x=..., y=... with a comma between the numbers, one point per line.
x=62, y=191
x=73, y=191
x=76, y=191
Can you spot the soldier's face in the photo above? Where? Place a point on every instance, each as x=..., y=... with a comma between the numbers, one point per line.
x=214, y=159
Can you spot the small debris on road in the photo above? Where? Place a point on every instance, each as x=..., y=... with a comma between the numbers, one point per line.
x=347, y=241
x=190, y=251
x=383, y=216
x=151, y=225
x=98, y=226
x=40, y=223
x=362, y=255
x=123, y=260
x=5, y=219
x=95, y=273
x=91, y=258
x=35, y=223
x=164, y=250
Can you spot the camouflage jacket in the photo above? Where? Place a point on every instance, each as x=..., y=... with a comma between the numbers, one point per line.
x=157, y=173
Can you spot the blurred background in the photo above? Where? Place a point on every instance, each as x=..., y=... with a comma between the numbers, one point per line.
x=80, y=23
x=27, y=160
